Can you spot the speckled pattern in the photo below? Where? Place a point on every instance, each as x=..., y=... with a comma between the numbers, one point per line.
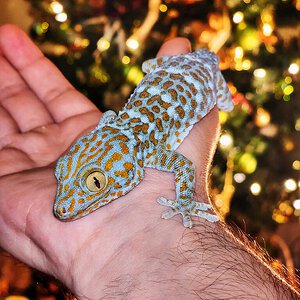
x=176, y=93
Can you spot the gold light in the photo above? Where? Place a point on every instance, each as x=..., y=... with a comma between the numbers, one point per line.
x=238, y=17
x=125, y=60
x=56, y=7
x=163, y=7
x=296, y=165
x=267, y=29
x=103, y=44
x=226, y=141
x=294, y=68
x=255, y=188
x=61, y=17
x=132, y=43
x=290, y=185
x=260, y=73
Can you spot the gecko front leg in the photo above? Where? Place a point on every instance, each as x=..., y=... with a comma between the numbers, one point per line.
x=184, y=173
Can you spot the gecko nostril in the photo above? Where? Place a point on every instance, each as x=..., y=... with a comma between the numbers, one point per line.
x=62, y=211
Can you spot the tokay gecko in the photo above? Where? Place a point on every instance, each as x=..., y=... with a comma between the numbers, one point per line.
x=176, y=93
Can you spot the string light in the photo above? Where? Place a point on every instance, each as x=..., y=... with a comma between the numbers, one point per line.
x=290, y=185
x=296, y=204
x=246, y=64
x=226, y=140
x=239, y=177
x=262, y=117
x=293, y=68
x=103, y=44
x=267, y=22
x=288, y=79
x=132, y=43
x=125, y=60
x=238, y=52
x=267, y=29
x=61, y=17
x=285, y=208
x=278, y=217
x=238, y=17
x=255, y=188
x=163, y=7
x=45, y=26
x=56, y=7
x=296, y=165
x=289, y=89
x=297, y=125
x=260, y=73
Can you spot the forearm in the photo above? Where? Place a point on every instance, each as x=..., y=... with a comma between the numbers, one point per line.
x=208, y=262
x=212, y=262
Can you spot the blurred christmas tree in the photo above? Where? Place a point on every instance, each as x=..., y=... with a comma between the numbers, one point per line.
x=99, y=45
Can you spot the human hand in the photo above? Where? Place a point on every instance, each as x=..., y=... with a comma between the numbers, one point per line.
x=41, y=115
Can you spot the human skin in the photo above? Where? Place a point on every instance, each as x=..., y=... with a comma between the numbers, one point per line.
x=123, y=250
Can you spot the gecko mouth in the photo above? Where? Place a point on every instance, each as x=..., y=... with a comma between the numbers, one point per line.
x=63, y=213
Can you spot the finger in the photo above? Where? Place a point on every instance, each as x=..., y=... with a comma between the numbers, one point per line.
x=45, y=80
x=19, y=101
x=7, y=123
x=175, y=46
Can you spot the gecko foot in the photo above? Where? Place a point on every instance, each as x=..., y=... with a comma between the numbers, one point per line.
x=197, y=210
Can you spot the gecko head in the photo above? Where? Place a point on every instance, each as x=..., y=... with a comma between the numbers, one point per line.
x=90, y=177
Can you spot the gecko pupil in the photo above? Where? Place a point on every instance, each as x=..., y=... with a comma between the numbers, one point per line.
x=97, y=183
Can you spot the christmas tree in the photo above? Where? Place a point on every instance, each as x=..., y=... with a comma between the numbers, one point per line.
x=100, y=45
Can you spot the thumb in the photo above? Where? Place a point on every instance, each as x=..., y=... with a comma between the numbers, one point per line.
x=175, y=46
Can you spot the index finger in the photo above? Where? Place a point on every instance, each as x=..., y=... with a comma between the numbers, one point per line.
x=45, y=80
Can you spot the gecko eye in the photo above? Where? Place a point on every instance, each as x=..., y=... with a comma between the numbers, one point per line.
x=96, y=181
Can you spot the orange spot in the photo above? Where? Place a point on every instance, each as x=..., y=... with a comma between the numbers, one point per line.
x=124, y=148
x=123, y=174
x=72, y=206
x=117, y=186
x=128, y=166
x=115, y=157
x=140, y=163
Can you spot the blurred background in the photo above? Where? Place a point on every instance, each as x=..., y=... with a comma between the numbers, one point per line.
x=100, y=45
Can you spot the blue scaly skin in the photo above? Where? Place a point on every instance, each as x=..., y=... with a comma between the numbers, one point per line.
x=176, y=93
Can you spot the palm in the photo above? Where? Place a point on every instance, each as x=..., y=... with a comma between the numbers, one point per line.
x=40, y=119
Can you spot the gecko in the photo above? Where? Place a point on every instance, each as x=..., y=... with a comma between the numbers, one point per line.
x=175, y=94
